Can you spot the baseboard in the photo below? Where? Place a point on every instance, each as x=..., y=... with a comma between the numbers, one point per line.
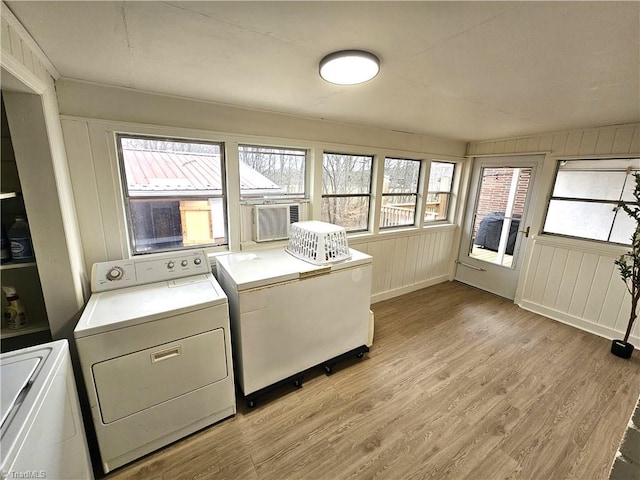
x=379, y=297
x=577, y=322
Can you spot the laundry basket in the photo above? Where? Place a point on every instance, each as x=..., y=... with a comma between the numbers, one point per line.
x=319, y=243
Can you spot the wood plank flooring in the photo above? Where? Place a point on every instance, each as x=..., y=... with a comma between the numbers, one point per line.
x=459, y=384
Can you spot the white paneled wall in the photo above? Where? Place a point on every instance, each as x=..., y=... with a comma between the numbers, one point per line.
x=617, y=139
x=580, y=287
x=573, y=281
x=402, y=264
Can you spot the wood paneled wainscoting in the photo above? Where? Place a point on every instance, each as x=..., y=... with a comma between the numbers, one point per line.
x=408, y=262
x=458, y=384
x=578, y=286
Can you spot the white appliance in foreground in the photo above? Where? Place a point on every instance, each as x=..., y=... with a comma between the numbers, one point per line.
x=288, y=315
x=42, y=431
x=155, y=351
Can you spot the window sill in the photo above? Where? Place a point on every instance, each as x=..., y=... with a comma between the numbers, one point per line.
x=386, y=234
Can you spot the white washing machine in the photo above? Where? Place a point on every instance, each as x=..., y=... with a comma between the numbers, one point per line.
x=42, y=431
x=155, y=350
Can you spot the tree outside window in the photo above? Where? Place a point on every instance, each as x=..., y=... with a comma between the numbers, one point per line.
x=346, y=190
x=271, y=172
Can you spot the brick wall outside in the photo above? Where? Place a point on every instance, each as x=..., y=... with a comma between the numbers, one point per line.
x=494, y=193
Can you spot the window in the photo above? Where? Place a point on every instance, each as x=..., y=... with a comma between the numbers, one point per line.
x=584, y=202
x=346, y=190
x=439, y=191
x=271, y=172
x=399, y=192
x=174, y=193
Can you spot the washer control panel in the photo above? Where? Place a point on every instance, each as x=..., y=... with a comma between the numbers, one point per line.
x=148, y=269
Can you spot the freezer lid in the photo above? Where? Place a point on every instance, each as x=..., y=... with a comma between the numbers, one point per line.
x=130, y=306
x=357, y=258
x=15, y=378
x=271, y=266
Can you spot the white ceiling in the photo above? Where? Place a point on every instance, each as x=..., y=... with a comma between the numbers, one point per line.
x=460, y=70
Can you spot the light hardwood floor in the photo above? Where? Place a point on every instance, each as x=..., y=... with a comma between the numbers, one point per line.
x=458, y=384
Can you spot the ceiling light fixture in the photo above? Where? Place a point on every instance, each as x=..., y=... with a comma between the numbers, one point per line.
x=349, y=67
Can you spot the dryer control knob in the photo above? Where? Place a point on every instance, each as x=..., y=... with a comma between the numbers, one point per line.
x=114, y=274
x=197, y=261
x=184, y=263
x=171, y=265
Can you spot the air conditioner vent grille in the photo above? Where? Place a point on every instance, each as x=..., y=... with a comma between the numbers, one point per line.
x=272, y=222
x=294, y=214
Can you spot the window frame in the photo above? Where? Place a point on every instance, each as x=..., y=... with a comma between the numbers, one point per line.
x=558, y=163
x=126, y=197
x=286, y=196
x=447, y=218
x=368, y=195
x=416, y=193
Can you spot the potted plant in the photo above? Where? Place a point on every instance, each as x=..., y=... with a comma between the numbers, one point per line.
x=629, y=267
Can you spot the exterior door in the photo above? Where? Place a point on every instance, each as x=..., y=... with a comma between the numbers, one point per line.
x=496, y=224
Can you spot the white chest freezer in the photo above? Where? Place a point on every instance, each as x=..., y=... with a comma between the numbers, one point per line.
x=288, y=315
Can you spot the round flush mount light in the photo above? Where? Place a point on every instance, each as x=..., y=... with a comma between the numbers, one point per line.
x=349, y=67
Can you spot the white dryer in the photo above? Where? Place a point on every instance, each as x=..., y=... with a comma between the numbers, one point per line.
x=155, y=350
x=42, y=431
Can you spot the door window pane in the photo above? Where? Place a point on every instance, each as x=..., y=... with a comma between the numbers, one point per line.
x=499, y=208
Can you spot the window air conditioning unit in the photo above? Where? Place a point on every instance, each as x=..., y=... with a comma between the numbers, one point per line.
x=273, y=222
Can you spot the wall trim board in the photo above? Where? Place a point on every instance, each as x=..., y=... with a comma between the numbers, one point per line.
x=509, y=154
x=595, y=156
x=577, y=322
x=16, y=68
x=379, y=297
x=40, y=159
x=400, y=233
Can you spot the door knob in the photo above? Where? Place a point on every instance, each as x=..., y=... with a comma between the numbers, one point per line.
x=525, y=231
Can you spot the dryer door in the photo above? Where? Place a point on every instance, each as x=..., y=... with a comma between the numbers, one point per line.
x=140, y=380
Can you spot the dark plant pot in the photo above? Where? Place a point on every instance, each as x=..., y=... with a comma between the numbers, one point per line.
x=621, y=349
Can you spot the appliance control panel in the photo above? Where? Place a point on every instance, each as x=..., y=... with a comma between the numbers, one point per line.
x=148, y=269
